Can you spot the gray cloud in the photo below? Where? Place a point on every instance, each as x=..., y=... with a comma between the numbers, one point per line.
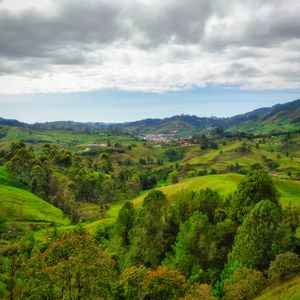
x=238, y=69
x=125, y=36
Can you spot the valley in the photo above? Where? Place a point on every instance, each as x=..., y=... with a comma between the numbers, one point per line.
x=64, y=185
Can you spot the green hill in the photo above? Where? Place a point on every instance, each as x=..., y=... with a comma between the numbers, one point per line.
x=20, y=205
x=226, y=183
x=278, y=118
x=289, y=290
x=223, y=183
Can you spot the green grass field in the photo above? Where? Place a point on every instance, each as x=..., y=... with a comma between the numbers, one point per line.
x=224, y=183
x=289, y=290
x=7, y=179
x=74, y=140
x=229, y=154
x=20, y=205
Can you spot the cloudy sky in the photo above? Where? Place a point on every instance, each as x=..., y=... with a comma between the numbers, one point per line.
x=118, y=60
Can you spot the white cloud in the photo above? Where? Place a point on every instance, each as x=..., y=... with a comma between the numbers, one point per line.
x=151, y=46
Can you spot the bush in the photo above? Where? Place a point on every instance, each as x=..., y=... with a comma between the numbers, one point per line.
x=164, y=283
x=283, y=267
x=199, y=291
x=131, y=282
x=244, y=284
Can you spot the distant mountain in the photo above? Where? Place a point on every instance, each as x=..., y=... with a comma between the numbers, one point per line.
x=11, y=122
x=281, y=117
x=278, y=118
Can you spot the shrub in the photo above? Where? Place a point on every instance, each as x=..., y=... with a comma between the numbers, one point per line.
x=284, y=266
x=199, y=291
x=131, y=281
x=244, y=284
x=164, y=283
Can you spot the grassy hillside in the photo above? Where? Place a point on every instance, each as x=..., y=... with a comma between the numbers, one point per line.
x=223, y=183
x=232, y=153
x=20, y=205
x=7, y=179
x=289, y=290
x=75, y=140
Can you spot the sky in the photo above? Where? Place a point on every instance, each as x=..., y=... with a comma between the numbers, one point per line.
x=124, y=60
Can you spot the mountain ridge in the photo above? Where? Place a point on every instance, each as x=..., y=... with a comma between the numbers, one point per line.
x=284, y=117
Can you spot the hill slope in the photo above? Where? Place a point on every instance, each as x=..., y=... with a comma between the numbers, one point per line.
x=289, y=290
x=223, y=183
x=20, y=205
x=280, y=117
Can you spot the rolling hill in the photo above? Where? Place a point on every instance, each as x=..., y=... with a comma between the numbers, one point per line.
x=281, y=117
x=223, y=183
x=21, y=206
x=278, y=118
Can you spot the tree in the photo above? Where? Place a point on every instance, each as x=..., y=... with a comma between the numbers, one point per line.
x=131, y=281
x=21, y=163
x=283, y=267
x=199, y=291
x=253, y=243
x=125, y=222
x=39, y=181
x=195, y=248
x=147, y=239
x=164, y=283
x=256, y=186
x=64, y=158
x=77, y=267
x=209, y=201
x=244, y=284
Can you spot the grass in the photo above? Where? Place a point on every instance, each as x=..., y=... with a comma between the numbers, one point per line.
x=21, y=205
x=289, y=290
x=74, y=140
x=7, y=179
x=230, y=154
x=289, y=192
x=223, y=183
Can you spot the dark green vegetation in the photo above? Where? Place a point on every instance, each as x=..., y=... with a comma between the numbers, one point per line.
x=95, y=213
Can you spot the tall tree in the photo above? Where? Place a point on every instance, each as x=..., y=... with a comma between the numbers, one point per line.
x=195, y=248
x=125, y=222
x=147, y=239
x=253, y=243
x=256, y=186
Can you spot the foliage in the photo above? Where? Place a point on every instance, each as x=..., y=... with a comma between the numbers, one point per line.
x=256, y=186
x=253, y=243
x=164, y=283
x=284, y=266
x=71, y=267
x=147, y=238
x=125, y=222
x=244, y=284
